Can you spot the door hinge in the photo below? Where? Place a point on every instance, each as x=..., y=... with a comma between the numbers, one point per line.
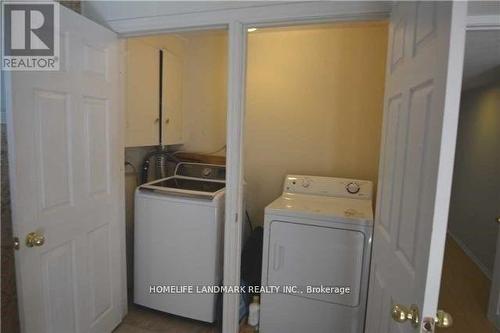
x=236, y=218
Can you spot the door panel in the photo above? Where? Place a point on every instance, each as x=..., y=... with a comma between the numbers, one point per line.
x=58, y=283
x=420, y=119
x=100, y=275
x=96, y=115
x=94, y=60
x=416, y=146
x=66, y=145
x=53, y=121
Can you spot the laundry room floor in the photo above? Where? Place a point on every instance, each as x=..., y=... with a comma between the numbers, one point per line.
x=143, y=320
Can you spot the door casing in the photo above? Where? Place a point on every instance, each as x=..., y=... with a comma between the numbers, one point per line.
x=237, y=43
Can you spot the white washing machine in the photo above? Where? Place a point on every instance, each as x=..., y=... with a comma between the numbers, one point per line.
x=178, y=240
x=317, y=234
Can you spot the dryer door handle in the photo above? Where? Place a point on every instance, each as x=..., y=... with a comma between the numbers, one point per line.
x=278, y=256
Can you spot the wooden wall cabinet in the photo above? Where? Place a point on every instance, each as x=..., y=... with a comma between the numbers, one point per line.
x=141, y=94
x=142, y=98
x=171, y=99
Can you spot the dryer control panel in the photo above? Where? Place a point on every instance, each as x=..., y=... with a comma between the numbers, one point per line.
x=328, y=186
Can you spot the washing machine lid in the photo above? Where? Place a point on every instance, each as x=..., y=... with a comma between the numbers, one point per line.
x=186, y=186
x=335, y=209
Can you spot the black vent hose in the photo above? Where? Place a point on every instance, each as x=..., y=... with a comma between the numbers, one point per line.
x=159, y=155
x=144, y=170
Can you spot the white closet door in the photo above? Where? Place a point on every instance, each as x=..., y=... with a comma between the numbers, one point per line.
x=422, y=94
x=66, y=154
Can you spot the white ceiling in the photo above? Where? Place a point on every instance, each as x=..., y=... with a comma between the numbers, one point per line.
x=116, y=10
x=482, y=53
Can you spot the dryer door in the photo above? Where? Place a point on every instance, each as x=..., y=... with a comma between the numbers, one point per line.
x=308, y=255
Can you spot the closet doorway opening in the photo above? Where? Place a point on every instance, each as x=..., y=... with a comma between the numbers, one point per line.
x=175, y=98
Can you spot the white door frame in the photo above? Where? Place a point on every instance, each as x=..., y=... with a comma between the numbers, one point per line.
x=234, y=156
x=237, y=24
x=234, y=173
x=237, y=21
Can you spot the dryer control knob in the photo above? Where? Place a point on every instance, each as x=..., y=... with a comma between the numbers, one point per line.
x=352, y=188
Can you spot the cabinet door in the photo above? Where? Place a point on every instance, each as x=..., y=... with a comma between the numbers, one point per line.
x=171, y=99
x=142, y=94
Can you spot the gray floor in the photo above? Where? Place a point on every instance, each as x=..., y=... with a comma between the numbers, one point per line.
x=143, y=320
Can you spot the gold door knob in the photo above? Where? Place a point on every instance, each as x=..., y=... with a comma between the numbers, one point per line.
x=443, y=319
x=498, y=219
x=34, y=239
x=401, y=313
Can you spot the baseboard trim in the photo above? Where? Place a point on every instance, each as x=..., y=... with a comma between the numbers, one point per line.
x=471, y=255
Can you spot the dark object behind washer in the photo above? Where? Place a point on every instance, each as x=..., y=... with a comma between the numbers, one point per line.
x=251, y=258
x=251, y=270
x=163, y=161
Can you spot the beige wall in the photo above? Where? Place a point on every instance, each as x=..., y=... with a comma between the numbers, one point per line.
x=475, y=197
x=314, y=106
x=205, y=91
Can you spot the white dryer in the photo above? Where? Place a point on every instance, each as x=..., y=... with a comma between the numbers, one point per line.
x=317, y=237
x=178, y=240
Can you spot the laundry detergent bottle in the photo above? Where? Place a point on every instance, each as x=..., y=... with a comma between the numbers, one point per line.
x=253, y=312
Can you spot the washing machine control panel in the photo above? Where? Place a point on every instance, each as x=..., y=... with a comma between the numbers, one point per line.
x=201, y=170
x=328, y=186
